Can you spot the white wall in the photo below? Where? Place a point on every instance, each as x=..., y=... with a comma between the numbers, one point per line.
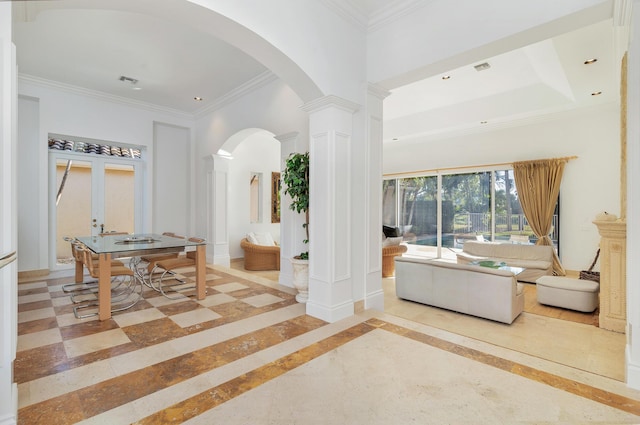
x=273, y=107
x=81, y=114
x=259, y=153
x=591, y=183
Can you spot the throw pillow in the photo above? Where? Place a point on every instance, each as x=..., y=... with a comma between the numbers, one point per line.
x=251, y=237
x=392, y=241
x=390, y=232
x=265, y=239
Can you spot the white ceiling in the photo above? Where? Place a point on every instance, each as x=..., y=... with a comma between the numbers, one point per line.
x=92, y=48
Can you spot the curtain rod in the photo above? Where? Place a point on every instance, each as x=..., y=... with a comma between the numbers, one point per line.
x=465, y=167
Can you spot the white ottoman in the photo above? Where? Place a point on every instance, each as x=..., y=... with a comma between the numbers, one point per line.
x=566, y=292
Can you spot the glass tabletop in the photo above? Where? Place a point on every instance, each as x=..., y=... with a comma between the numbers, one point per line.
x=135, y=243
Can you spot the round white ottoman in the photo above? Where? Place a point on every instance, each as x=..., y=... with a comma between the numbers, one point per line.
x=566, y=292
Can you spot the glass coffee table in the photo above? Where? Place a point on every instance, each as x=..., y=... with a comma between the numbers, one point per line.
x=498, y=266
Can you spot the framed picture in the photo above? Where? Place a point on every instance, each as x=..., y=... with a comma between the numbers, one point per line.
x=275, y=197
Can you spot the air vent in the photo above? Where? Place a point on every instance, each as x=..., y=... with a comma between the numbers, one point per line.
x=482, y=67
x=128, y=79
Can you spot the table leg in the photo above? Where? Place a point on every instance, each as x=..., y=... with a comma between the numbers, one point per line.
x=201, y=275
x=79, y=271
x=104, y=286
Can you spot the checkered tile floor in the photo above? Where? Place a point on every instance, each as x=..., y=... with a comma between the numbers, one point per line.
x=51, y=338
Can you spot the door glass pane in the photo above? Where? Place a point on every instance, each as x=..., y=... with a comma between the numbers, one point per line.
x=389, y=202
x=419, y=213
x=466, y=208
x=119, y=195
x=73, y=204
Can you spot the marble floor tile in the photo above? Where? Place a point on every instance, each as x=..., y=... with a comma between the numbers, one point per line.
x=39, y=339
x=137, y=317
x=262, y=300
x=34, y=297
x=87, y=344
x=230, y=287
x=30, y=315
x=194, y=317
x=216, y=299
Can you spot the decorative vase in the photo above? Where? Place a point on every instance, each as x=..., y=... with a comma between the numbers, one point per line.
x=301, y=279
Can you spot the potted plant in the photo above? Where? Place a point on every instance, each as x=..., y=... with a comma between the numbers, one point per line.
x=296, y=185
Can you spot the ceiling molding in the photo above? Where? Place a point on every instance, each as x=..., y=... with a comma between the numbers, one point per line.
x=350, y=12
x=394, y=11
x=242, y=90
x=357, y=16
x=448, y=133
x=95, y=94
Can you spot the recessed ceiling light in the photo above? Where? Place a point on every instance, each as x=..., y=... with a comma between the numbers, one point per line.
x=590, y=61
x=137, y=88
x=395, y=139
x=198, y=98
x=596, y=93
x=128, y=80
x=483, y=122
x=446, y=77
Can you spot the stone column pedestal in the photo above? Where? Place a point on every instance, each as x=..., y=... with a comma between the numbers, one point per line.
x=613, y=274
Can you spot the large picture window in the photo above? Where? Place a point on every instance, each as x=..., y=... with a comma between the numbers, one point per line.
x=479, y=205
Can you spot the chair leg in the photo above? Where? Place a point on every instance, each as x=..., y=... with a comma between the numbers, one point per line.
x=132, y=290
x=174, y=287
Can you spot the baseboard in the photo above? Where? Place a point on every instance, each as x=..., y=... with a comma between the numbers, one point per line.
x=33, y=273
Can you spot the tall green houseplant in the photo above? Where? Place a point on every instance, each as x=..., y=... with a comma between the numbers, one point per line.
x=296, y=182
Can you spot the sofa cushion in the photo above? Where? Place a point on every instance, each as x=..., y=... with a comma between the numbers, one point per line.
x=261, y=238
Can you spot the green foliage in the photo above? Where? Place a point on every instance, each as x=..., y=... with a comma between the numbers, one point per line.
x=295, y=178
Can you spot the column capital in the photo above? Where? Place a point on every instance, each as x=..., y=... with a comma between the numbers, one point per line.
x=377, y=90
x=328, y=102
x=293, y=135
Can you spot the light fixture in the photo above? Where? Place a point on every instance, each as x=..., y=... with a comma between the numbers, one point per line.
x=198, y=99
x=124, y=79
x=224, y=154
x=590, y=61
x=482, y=66
x=483, y=122
x=446, y=77
x=596, y=93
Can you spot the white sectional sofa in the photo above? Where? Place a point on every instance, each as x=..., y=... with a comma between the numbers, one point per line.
x=479, y=291
x=537, y=260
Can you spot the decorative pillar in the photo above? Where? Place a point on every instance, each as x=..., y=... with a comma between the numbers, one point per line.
x=370, y=245
x=217, y=172
x=330, y=267
x=292, y=234
x=613, y=276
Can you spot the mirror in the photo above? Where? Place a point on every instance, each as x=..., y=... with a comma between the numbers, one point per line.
x=255, y=198
x=275, y=197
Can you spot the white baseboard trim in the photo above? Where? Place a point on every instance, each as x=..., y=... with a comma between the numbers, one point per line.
x=330, y=313
x=633, y=371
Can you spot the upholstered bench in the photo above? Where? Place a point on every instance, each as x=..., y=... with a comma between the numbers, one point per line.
x=566, y=292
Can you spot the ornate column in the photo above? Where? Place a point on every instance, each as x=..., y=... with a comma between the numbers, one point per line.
x=613, y=274
x=330, y=206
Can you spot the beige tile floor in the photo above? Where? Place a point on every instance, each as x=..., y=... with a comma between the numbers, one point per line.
x=249, y=354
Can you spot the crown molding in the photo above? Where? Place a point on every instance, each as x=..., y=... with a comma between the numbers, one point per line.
x=521, y=121
x=392, y=11
x=95, y=94
x=329, y=102
x=242, y=90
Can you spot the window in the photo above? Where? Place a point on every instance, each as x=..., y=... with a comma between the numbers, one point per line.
x=480, y=205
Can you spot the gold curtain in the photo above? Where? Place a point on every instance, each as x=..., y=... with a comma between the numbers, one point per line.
x=538, y=185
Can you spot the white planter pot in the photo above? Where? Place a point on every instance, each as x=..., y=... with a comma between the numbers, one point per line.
x=301, y=279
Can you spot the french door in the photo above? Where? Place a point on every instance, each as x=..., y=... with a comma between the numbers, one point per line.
x=89, y=195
